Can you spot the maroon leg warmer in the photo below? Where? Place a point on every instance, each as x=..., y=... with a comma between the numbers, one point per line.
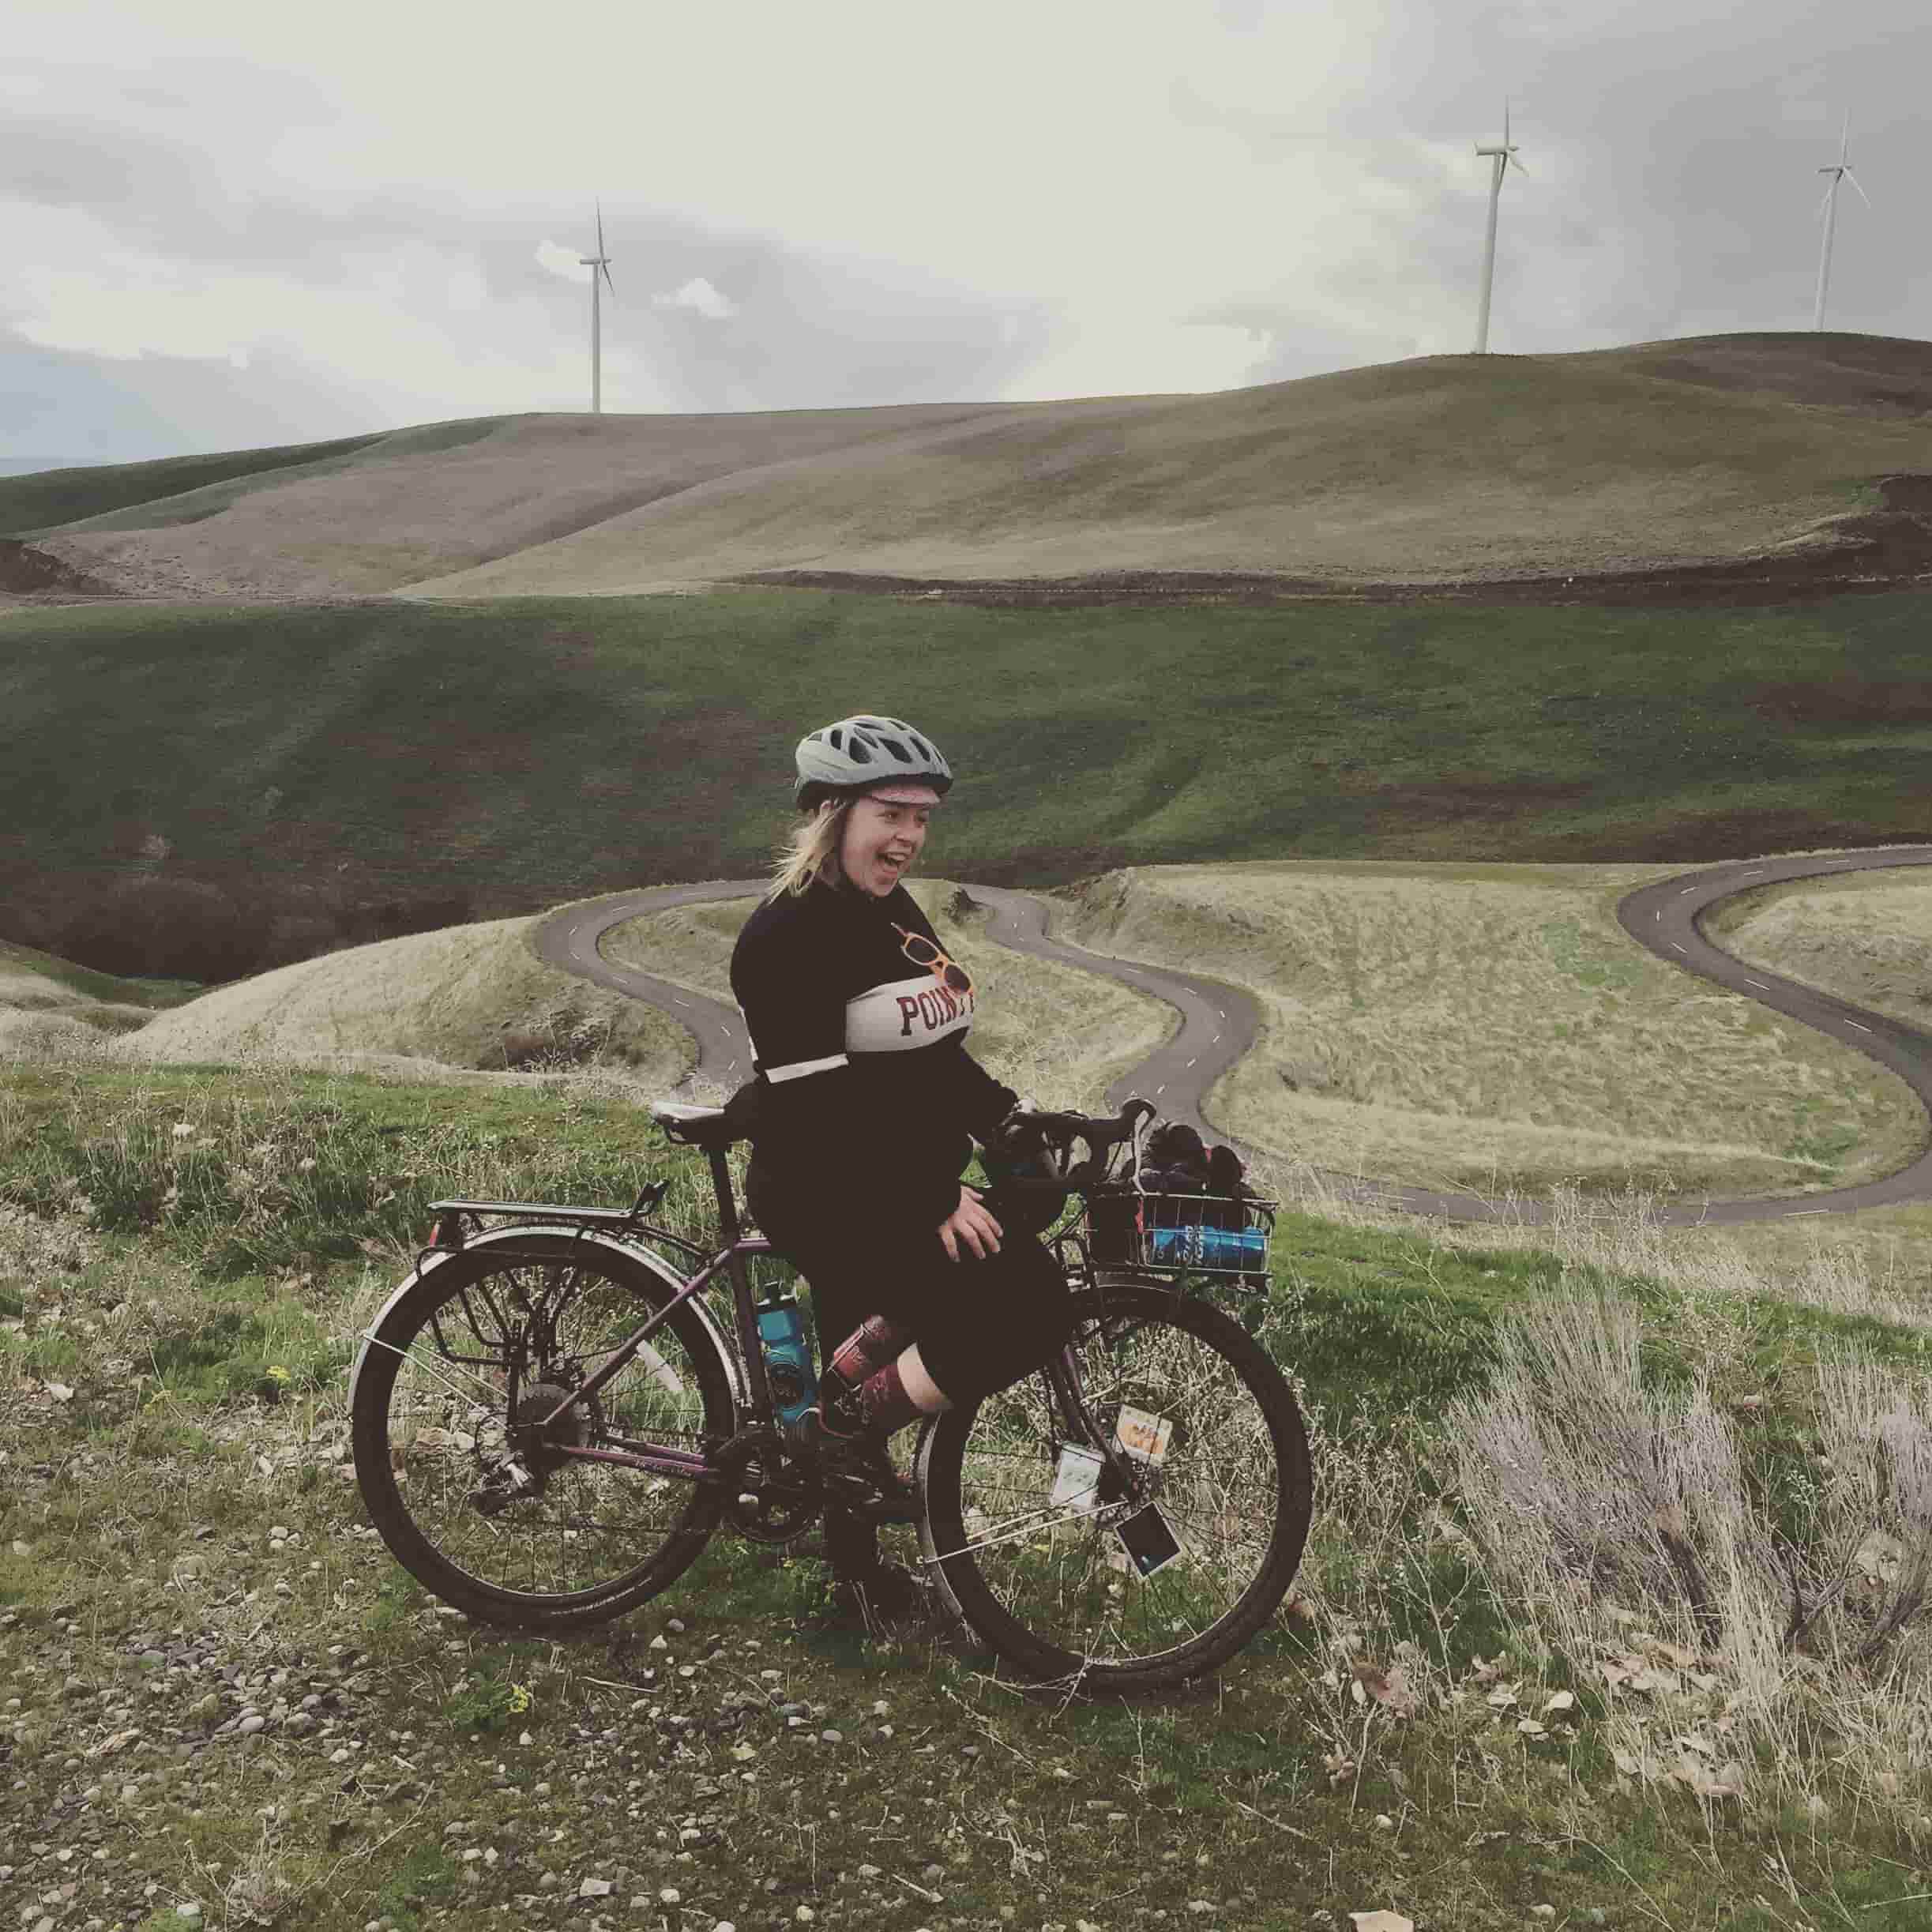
x=875, y=1342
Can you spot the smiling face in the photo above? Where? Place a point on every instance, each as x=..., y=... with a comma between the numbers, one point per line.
x=883, y=837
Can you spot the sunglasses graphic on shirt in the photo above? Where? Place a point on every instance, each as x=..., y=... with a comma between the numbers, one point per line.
x=922, y=952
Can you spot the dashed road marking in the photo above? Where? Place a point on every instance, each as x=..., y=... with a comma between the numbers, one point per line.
x=1675, y=947
x=1798, y=1213
x=1682, y=889
x=1195, y=1062
x=1758, y=983
x=1860, y=1025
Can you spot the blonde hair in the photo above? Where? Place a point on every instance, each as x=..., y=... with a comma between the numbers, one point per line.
x=811, y=850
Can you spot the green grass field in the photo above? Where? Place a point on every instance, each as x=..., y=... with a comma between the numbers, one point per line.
x=1433, y=1727
x=348, y=772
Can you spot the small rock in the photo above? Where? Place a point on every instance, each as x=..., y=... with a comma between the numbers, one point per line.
x=248, y=1726
x=832, y=1737
x=671, y=1896
x=675, y=1626
x=1543, y=1911
x=594, y=1889
x=188, y=1910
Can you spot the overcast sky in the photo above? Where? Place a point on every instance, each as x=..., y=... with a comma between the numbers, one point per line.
x=229, y=225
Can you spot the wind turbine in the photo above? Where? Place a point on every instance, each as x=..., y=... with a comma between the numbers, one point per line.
x=597, y=263
x=1503, y=158
x=1841, y=172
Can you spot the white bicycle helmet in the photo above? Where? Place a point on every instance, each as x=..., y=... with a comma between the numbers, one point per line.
x=865, y=751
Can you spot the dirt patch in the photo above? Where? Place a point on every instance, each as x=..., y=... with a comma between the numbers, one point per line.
x=1874, y=551
x=1844, y=700
x=27, y=571
x=1709, y=836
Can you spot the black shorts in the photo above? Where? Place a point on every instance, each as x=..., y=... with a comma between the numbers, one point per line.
x=981, y=1324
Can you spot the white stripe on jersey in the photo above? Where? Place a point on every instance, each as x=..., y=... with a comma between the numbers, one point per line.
x=906, y=1013
x=799, y=1069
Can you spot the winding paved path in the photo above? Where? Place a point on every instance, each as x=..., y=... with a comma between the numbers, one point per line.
x=1219, y=1023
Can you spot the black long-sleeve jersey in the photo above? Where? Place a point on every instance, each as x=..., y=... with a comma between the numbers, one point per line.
x=867, y=1094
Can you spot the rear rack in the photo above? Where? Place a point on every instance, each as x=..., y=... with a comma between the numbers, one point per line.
x=450, y=1232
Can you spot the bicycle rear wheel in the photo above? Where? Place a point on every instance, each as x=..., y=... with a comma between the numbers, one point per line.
x=1034, y=1563
x=579, y=1541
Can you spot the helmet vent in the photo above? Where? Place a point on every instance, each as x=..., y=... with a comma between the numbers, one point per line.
x=857, y=750
x=831, y=738
x=897, y=749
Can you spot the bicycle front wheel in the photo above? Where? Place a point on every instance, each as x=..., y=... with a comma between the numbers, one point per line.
x=478, y=1499
x=1030, y=1542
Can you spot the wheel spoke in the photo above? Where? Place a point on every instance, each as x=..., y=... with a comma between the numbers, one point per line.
x=487, y=1506
x=1053, y=1586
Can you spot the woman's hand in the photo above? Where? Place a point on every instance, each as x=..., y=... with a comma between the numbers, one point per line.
x=970, y=1223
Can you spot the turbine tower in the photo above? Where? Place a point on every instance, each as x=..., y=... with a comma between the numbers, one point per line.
x=598, y=264
x=1502, y=158
x=1842, y=171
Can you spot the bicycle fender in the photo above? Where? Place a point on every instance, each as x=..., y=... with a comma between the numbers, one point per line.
x=644, y=1257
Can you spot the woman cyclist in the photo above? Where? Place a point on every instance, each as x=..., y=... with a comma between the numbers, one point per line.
x=867, y=1103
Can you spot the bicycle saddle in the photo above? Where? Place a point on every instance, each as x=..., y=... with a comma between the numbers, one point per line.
x=707, y=1127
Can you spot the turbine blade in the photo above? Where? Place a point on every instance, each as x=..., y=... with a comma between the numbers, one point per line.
x=1862, y=196
x=600, y=227
x=1824, y=204
x=1505, y=120
x=607, y=283
x=1517, y=165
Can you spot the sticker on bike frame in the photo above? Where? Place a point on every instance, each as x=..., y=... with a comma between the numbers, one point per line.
x=1149, y=1543
x=1077, y=1478
x=1143, y=1435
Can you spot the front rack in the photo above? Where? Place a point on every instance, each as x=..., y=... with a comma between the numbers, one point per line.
x=1216, y=1234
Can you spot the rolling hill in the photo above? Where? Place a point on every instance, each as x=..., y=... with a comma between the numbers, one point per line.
x=206, y=791
x=1437, y=471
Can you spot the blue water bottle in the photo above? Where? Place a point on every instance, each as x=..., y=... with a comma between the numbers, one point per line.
x=787, y=1359
x=1235, y=1250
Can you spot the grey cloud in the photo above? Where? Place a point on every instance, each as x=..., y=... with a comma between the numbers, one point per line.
x=1672, y=155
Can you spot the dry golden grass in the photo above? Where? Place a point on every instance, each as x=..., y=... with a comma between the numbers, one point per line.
x=1493, y=1027
x=453, y=998
x=1662, y=453
x=1866, y=937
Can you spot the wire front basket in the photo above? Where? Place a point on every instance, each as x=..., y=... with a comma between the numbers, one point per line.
x=1212, y=1234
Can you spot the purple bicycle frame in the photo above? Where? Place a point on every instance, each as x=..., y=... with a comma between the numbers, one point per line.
x=663, y=1460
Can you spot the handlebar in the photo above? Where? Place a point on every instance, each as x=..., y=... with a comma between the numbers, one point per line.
x=1102, y=1133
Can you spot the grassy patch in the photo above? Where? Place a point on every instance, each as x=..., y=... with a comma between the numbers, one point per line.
x=181, y=1553
x=500, y=758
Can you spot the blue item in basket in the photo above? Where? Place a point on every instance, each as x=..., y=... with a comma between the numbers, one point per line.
x=1226, y=1250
